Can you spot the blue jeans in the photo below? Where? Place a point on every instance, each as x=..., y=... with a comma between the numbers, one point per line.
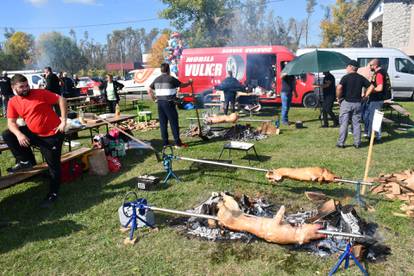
x=371, y=111
x=286, y=101
x=365, y=116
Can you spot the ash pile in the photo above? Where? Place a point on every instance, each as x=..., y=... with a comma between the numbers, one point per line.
x=235, y=133
x=331, y=214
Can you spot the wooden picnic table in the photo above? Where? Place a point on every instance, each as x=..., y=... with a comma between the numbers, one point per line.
x=94, y=125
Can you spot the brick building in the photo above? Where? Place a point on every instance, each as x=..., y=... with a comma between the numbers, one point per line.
x=397, y=17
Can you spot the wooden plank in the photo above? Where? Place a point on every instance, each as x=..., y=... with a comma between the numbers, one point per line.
x=12, y=179
x=388, y=121
x=400, y=109
x=396, y=189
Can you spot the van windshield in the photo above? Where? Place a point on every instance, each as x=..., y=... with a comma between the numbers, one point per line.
x=404, y=65
x=129, y=76
x=384, y=62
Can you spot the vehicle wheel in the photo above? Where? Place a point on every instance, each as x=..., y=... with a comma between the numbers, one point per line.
x=412, y=96
x=310, y=100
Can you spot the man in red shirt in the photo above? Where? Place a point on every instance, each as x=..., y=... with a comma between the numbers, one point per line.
x=43, y=129
x=377, y=95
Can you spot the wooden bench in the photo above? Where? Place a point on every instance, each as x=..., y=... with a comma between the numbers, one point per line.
x=12, y=179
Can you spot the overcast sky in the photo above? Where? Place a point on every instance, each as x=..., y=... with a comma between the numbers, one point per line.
x=39, y=16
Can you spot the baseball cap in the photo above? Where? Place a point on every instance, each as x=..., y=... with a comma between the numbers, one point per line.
x=353, y=63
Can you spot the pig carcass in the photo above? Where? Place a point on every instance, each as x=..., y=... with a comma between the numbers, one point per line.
x=303, y=174
x=273, y=230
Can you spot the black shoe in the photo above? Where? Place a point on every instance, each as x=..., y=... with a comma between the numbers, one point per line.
x=49, y=201
x=357, y=146
x=324, y=126
x=340, y=146
x=377, y=141
x=335, y=125
x=20, y=167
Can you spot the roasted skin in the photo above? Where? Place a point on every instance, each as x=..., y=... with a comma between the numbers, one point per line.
x=270, y=229
x=232, y=118
x=303, y=174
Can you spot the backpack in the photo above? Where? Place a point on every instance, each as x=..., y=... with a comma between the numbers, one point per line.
x=386, y=92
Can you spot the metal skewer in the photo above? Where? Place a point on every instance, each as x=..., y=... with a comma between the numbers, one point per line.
x=189, y=214
x=343, y=234
x=221, y=164
x=262, y=170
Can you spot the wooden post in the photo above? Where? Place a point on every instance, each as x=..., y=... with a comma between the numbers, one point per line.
x=371, y=144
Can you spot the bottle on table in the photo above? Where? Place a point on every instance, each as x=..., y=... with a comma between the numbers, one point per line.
x=117, y=111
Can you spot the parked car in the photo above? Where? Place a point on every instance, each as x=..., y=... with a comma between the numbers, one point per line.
x=89, y=85
x=399, y=66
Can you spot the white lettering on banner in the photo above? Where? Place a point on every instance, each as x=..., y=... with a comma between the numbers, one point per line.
x=233, y=50
x=210, y=69
x=200, y=59
x=259, y=50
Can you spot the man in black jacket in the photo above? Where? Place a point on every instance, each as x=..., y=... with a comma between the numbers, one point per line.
x=6, y=91
x=230, y=86
x=68, y=85
x=52, y=81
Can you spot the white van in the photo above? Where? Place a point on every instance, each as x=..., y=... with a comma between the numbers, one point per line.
x=34, y=77
x=399, y=66
x=139, y=80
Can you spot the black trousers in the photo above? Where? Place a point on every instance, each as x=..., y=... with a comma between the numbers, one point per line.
x=229, y=97
x=50, y=147
x=167, y=112
x=327, y=106
x=112, y=106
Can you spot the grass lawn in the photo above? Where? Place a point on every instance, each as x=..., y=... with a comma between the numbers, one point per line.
x=81, y=234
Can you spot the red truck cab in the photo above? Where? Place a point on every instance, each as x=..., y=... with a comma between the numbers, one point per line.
x=257, y=67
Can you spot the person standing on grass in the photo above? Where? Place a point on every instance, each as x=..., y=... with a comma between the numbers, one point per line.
x=381, y=84
x=164, y=91
x=230, y=86
x=349, y=95
x=288, y=90
x=328, y=90
x=43, y=129
x=110, y=89
x=6, y=91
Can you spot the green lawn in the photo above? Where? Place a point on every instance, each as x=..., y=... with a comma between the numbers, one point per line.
x=81, y=234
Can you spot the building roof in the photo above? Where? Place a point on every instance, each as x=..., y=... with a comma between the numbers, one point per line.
x=370, y=9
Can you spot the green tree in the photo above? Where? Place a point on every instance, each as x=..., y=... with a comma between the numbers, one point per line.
x=203, y=22
x=59, y=52
x=333, y=27
x=344, y=26
x=21, y=46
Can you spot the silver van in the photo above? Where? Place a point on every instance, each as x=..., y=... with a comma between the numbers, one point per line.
x=399, y=66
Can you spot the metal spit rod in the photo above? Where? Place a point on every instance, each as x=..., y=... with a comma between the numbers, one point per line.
x=221, y=164
x=343, y=234
x=353, y=182
x=261, y=170
x=189, y=214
